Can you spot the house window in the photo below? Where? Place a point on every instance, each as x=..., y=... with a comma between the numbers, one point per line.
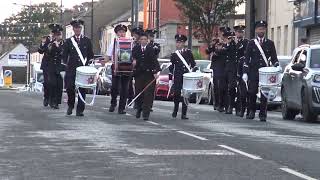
x=278, y=37
x=285, y=41
x=272, y=34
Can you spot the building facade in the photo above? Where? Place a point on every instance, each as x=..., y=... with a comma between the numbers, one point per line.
x=280, y=26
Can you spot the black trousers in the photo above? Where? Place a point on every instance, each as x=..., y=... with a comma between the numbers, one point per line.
x=252, y=96
x=46, y=93
x=221, y=85
x=177, y=98
x=215, y=92
x=130, y=91
x=120, y=85
x=55, y=88
x=145, y=100
x=72, y=96
x=242, y=95
x=231, y=87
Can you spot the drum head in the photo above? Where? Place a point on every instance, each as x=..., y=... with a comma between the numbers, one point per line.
x=269, y=70
x=193, y=75
x=87, y=70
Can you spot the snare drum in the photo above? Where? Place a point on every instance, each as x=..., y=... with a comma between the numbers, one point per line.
x=269, y=76
x=193, y=82
x=85, y=77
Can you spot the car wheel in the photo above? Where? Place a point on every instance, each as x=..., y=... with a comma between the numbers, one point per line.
x=210, y=95
x=287, y=113
x=307, y=113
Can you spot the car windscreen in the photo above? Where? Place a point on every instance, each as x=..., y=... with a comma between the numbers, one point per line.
x=40, y=77
x=165, y=71
x=284, y=62
x=202, y=65
x=315, y=58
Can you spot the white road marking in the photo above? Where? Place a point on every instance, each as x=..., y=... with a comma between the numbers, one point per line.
x=300, y=175
x=241, y=152
x=180, y=152
x=154, y=123
x=192, y=135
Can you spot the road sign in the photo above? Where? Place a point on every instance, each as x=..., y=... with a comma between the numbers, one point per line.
x=18, y=59
x=8, y=78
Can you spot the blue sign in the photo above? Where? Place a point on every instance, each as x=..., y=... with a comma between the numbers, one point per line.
x=18, y=56
x=7, y=73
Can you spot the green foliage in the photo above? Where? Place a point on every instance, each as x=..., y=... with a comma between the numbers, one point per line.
x=30, y=24
x=205, y=14
x=197, y=55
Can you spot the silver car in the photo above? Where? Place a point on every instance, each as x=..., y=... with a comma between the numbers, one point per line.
x=300, y=87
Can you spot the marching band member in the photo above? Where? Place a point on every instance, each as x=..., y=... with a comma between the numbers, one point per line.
x=218, y=65
x=72, y=59
x=118, y=79
x=44, y=67
x=135, y=33
x=54, y=51
x=146, y=73
x=254, y=60
x=230, y=70
x=240, y=56
x=156, y=46
x=177, y=69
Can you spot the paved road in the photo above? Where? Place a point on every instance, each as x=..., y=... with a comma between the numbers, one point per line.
x=41, y=143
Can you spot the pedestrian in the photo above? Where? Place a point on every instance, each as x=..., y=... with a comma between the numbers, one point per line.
x=54, y=51
x=242, y=91
x=255, y=59
x=72, y=60
x=120, y=81
x=45, y=41
x=218, y=65
x=230, y=69
x=177, y=69
x=146, y=73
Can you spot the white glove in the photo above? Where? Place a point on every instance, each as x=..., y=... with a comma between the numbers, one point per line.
x=170, y=83
x=245, y=77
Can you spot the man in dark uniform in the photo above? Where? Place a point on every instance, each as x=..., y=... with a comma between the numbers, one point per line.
x=146, y=72
x=119, y=80
x=177, y=69
x=72, y=60
x=211, y=52
x=135, y=33
x=255, y=60
x=242, y=90
x=44, y=67
x=54, y=51
x=218, y=65
x=230, y=70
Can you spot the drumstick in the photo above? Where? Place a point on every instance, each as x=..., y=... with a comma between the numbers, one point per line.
x=145, y=88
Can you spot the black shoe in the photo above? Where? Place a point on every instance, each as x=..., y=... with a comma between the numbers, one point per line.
x=174, y=114
x=45, y=102
x=151, y=110
x=112, y=108
x=184, y=117
x=251, y=115
x=221, y=109
x=138, y=114
x=215, y=107
x=69, y=111
x=121, y=112
x=79, y=114
x=238, y=113
x=241, y=114
x=229, y=110
x=263, y=119
x=146, y=118
x=56, y=106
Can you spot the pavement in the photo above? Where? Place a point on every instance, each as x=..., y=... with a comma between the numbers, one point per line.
x=40, y=143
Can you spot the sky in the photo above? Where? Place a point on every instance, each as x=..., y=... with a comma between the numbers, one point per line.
x=8, y=8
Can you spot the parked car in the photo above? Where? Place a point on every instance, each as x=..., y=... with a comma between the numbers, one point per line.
x=104, y=80
x=37, y=78
x=162, y=86
x=277, y=100
x=300, y=88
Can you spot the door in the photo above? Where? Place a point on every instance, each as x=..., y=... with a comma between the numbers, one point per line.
x=287, y=80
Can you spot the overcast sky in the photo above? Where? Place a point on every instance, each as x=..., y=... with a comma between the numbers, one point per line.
x=8, y=8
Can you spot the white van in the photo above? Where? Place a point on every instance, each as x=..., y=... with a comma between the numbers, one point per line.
x=37, y=78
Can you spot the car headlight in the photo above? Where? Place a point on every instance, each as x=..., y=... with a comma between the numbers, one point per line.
x=163, y=83
x=316, y=78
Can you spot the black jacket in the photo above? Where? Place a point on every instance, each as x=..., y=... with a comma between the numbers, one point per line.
x=230, y=57
x=254, y=60
x=43, y=48
x=55, y=57
x=177, y=68
x=241, y=47
x=218, y=63
x=146, y=62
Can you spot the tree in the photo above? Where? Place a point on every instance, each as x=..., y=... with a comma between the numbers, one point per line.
x=206, y=15
x=30, y=24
